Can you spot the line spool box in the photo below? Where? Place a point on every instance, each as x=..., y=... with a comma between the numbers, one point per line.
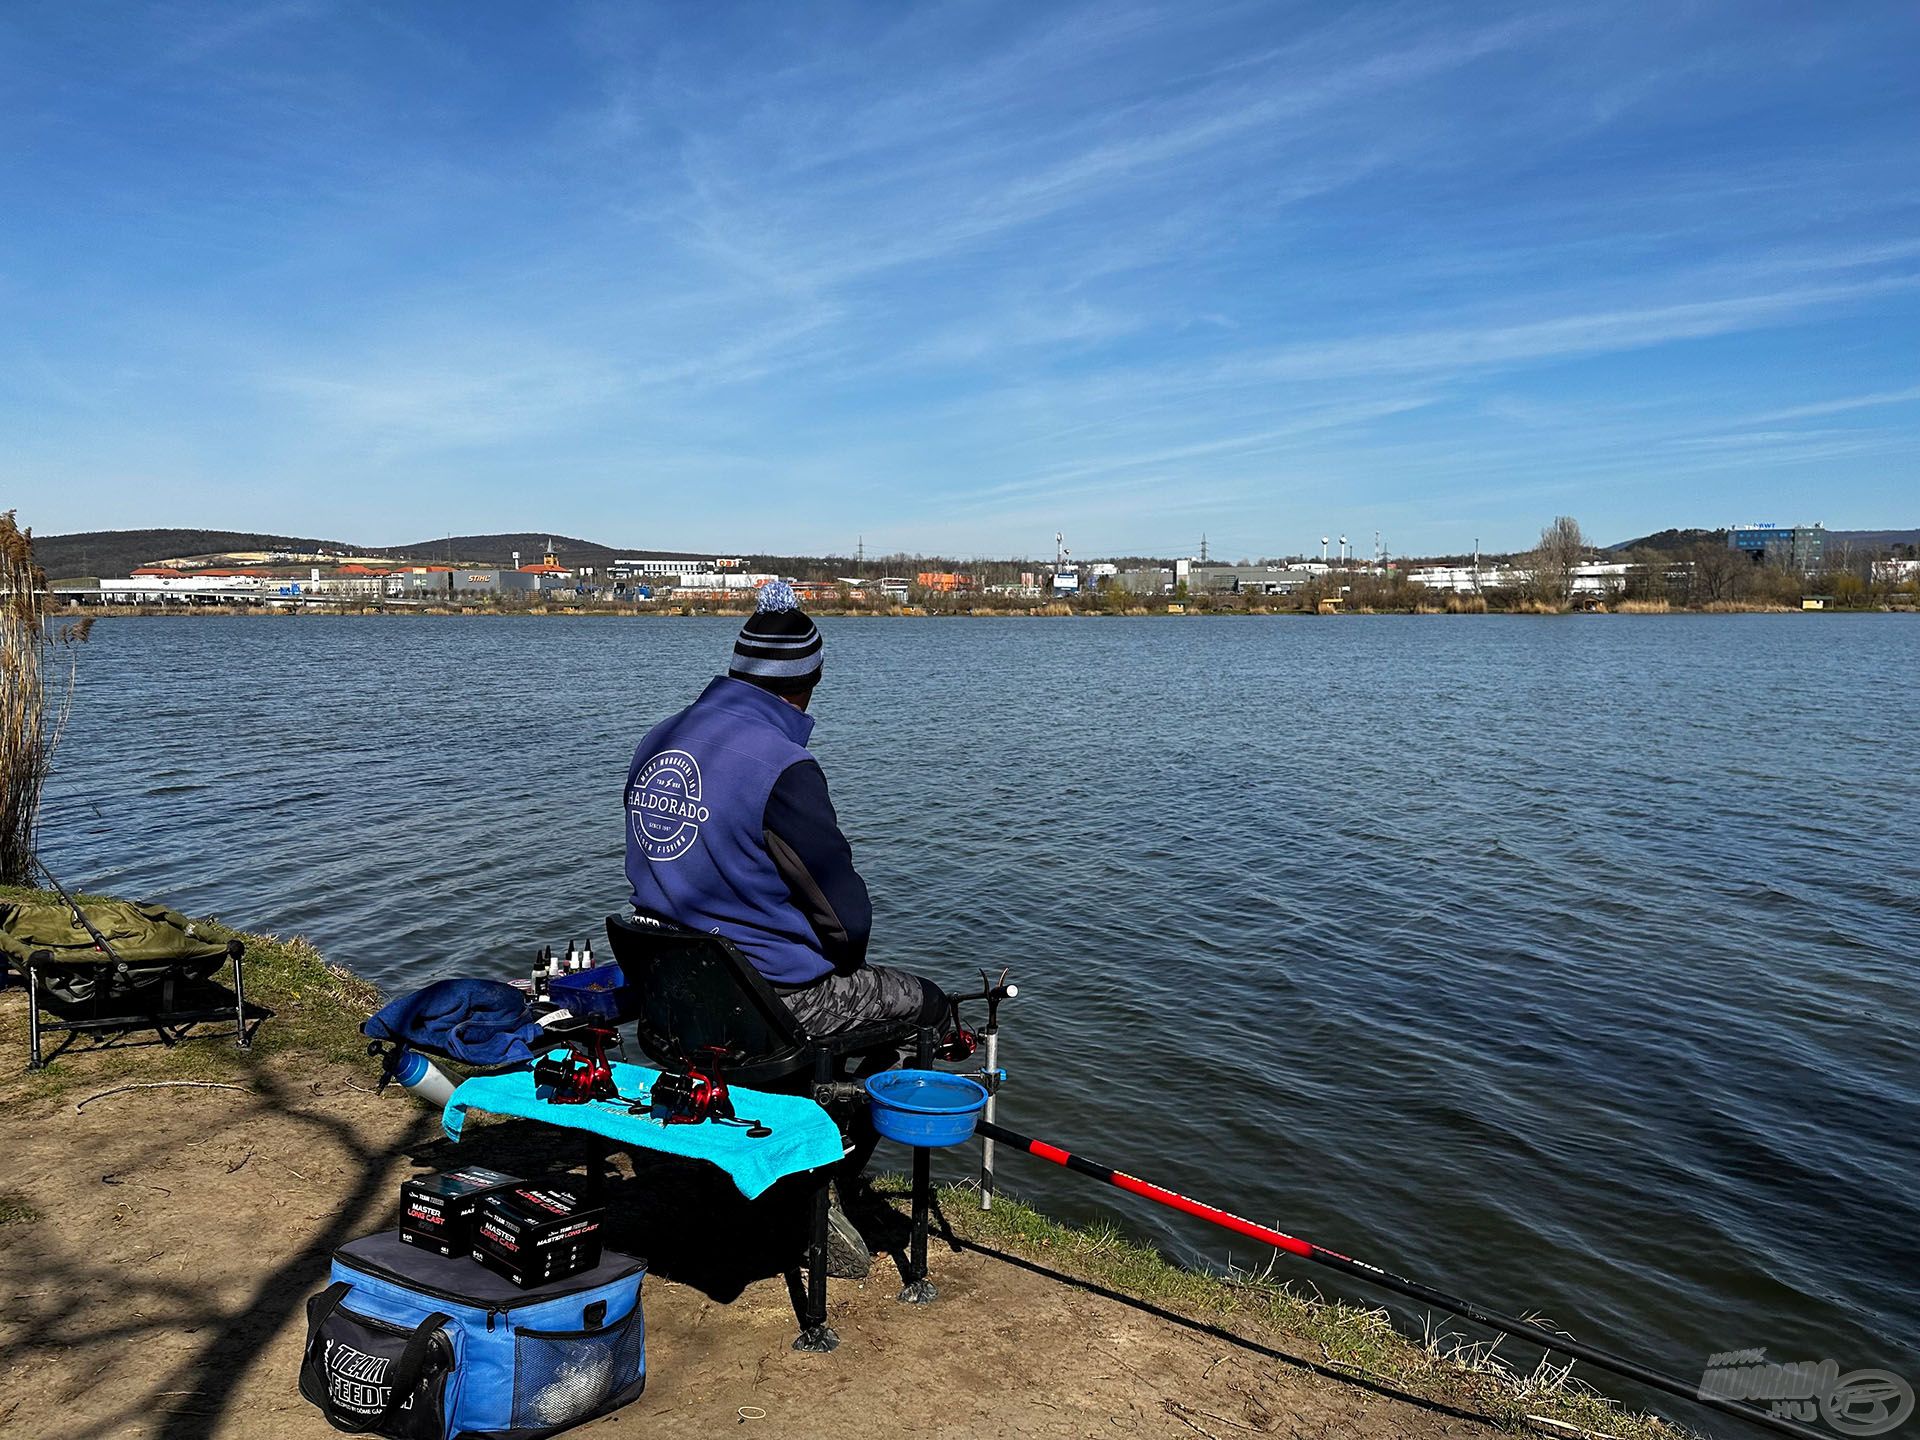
x=533, y=1233
x=437, y=1211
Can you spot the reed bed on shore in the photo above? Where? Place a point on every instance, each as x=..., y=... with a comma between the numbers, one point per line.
x=25, y=751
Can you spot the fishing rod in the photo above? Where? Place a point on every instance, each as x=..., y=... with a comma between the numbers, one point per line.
x=1386, y=1279
x=79, y=915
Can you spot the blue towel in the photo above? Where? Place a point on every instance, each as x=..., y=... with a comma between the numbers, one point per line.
x=804, y=1136
x=477, y=1022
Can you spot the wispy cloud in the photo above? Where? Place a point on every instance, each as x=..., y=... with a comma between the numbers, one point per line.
x=1908, y=396
x=1562, y=336
x=218, y=31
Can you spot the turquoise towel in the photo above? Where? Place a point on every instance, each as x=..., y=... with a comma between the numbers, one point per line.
x=804, y=1136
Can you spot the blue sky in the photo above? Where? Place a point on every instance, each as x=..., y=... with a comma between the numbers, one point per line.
x=774, y=276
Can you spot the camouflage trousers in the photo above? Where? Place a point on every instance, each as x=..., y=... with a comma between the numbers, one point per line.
x=871, y=995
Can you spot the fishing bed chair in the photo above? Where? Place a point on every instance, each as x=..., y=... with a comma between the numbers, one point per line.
x=693, y=995
x=157, y=976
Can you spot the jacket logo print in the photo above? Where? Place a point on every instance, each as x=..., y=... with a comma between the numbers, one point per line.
x=663, y=805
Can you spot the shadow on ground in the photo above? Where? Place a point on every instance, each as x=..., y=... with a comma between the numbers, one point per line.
x=99, y=1310
x=160, y=1293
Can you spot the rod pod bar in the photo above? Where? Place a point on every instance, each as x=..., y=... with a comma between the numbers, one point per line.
x=1494, y=1319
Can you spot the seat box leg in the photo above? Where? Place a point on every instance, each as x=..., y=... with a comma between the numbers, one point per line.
x=816, y=1336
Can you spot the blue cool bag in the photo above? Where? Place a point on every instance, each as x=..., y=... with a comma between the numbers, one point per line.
x=416, y=1346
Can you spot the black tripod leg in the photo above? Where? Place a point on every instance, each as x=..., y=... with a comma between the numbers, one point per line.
x=919, y=1290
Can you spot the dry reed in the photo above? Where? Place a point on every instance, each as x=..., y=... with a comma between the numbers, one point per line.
x=24, y=751
x=29, y=728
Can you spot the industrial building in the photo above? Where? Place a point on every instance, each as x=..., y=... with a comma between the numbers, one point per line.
x=1148, y=580
x=1790, y=547
x=151, y=585
x=701, y=575
x=671, y=568
x=1203, y=579
x=1598, y=577
x=434, y=582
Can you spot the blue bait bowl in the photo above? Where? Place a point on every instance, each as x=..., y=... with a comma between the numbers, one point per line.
x=596, y=994
x=925, y=1107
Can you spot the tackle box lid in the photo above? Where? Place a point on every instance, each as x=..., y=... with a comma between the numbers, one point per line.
x=464, y=1280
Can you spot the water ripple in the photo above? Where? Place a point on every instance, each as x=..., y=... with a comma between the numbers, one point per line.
x=1565, y=963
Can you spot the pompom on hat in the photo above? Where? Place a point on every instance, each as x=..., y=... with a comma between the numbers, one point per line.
x=779, y=648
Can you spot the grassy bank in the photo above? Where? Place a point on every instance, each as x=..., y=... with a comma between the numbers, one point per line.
x=312, y=1041
x=1272, y=1309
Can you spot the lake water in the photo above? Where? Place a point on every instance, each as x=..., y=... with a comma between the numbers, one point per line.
x=1567, y=964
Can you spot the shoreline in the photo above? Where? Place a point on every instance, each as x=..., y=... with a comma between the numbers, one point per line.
x=71, y=613
x=304, y=1153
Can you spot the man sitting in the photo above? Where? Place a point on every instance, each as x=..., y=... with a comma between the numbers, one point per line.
x=730, y=831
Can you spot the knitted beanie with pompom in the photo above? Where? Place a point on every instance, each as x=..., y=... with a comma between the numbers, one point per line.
x=779, y=648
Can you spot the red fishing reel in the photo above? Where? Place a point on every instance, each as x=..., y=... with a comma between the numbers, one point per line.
x=959, y=1042
x=584, y=1073
x=692, y=1094
x=687, y=1097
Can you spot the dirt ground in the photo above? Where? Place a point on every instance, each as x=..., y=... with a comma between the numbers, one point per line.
x=180, y=1231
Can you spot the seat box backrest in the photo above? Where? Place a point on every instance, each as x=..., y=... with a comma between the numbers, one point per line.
x=688, y=994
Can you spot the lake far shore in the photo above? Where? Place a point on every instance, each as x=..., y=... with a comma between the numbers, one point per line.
x=1048, y=612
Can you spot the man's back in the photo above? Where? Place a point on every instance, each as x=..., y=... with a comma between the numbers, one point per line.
x=698, y=849
x=730, y=830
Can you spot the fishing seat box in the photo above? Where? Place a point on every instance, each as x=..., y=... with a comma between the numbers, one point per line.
x=437, y=1211
x=411, y=1345
x=533, y=1233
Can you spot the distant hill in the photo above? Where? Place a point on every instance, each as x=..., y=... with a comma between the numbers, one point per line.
x=499, y=550
x=116, y=552
x=1875, y=539
x=1672, y=541
x=1675, y=541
